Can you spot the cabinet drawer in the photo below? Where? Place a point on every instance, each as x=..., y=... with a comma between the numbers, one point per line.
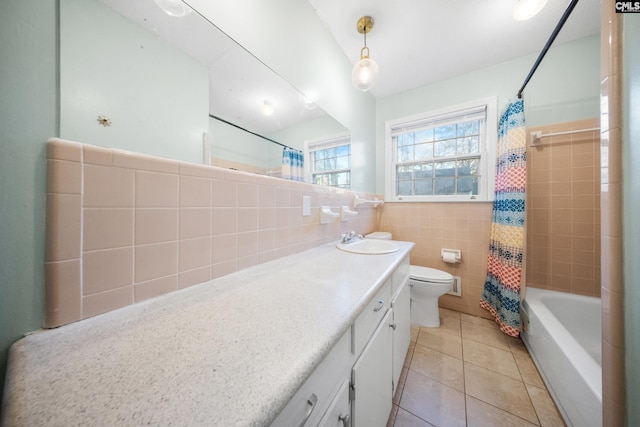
x=368, y=320
x=313, y=398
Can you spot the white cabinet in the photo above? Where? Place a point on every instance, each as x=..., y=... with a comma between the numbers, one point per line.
x=371, y=379
x=339, y=412
x=401, y=326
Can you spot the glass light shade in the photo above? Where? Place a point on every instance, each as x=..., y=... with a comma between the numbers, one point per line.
x=173, y=7
x=526, y=9
x=364, y=74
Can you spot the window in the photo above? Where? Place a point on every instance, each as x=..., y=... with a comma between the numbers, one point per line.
x=329, y=161
x=445, y=155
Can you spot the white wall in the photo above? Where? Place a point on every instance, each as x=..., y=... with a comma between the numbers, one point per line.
x=288, y=37
x=566, y=87
x=156, y=96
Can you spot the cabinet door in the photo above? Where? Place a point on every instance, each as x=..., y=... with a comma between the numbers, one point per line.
x=371, y=379
x=401, y=330
x=339, y=412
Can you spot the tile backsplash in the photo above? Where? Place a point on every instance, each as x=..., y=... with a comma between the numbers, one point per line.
x=124, y=227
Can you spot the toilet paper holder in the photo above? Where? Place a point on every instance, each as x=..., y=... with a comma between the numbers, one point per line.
x=452, y=256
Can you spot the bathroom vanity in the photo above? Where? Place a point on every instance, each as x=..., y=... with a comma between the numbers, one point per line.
x=319, y=336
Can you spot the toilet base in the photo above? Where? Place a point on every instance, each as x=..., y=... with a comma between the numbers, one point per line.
x=425, y=313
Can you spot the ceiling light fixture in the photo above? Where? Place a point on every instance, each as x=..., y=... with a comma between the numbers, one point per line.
x=175, y=8
x=365, y=72
x=267, y=108
x=526, y=9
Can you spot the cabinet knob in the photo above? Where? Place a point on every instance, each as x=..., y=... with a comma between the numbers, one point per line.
x=392, y=326
x=346, y=420
x=379, y=306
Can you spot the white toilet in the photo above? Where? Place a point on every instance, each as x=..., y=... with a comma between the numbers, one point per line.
x=427, y=285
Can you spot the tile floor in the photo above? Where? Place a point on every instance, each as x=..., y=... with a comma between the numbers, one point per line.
x=468, y=373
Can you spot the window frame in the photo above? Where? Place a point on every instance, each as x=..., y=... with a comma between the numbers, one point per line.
x=321, y=143
x=488, y=145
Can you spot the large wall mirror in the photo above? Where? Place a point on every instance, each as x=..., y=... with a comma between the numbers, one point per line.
x=154, y=76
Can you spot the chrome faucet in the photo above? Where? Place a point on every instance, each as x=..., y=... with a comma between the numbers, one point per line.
x=349, y=237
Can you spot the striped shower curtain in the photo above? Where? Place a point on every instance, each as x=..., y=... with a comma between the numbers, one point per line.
x=292, y=164
x=501, y=295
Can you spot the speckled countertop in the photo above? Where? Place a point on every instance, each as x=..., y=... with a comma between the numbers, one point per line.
x=229, y=352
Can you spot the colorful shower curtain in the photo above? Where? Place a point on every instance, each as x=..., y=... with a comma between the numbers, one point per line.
x=292, y=164
x=501, y=295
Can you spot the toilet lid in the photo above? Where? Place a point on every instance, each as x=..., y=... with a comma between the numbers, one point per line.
x=427, y=274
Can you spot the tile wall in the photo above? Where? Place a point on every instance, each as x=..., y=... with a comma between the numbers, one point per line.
x=433, y=226
x=563, y=209
x=124, y=227
x=613, y=374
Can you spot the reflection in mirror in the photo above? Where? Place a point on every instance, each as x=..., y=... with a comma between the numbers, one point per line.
x=159, y=71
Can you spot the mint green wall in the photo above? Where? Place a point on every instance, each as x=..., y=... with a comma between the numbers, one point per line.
x=156, y=96
x=631, y=212
x=28, y=117
x=565, y=87
x=288, y=37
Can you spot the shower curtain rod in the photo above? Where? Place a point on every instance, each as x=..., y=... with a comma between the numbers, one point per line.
x=248, y=131
x=546, y=47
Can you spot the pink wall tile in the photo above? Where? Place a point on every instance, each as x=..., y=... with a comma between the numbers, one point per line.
x=107, y=269
x=224, y=193
x=153, y=288
x=195, y=192
x=224, y=248
x=156, y=260
x=60, y=149
x=195, y=222
x=155, y=190
x=95, y=155
x=63, y=227
x=64, y=177
x=247, y=219
x=156, y=225
x=63, y=290
x=105, y=228
x=194, y=277
x=92, y=305
x=194, y=253
x=224, y=221
x=108, y=187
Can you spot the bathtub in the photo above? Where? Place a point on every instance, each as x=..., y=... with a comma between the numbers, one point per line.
x=564, y=336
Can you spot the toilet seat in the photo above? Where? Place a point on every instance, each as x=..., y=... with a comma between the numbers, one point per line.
x=429, y=275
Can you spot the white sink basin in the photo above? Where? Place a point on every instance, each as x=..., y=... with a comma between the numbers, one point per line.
x=369, y=247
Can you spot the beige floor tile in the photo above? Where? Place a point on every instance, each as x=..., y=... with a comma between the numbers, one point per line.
x=500, y=391
x=401, y=381
x=443, y=342
x=481, y=414
x=392, y=416
x=490, y=336
x=487, y=323
x=528, y=370
x=517, y=346
x=414, y=332
x=433, y=402
x=407, y=419
x=449, y=324
x=409, y=356
x=492, y=358
x=445, y=312
x=438, y=366
x=544, y=406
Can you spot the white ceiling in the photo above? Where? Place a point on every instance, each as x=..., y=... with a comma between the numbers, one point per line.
x=418, y=42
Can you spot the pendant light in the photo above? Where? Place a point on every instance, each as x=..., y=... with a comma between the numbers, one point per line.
x=365, y=72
